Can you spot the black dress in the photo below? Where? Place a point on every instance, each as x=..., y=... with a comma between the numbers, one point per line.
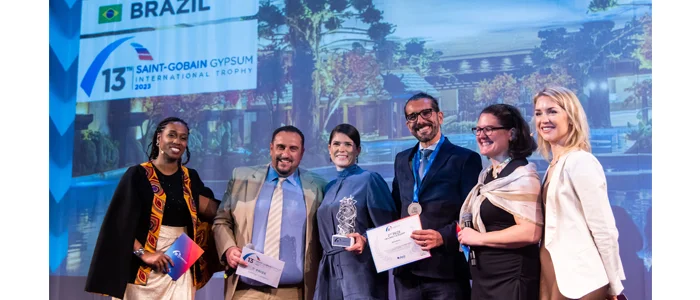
x=504, y=273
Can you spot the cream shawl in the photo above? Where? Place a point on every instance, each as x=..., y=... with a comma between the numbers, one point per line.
x=517, y=193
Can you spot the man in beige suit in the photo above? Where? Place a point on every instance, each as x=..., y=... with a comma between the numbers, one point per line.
x=272, y=209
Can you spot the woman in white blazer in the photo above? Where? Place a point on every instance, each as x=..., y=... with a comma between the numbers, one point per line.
x=579, y=250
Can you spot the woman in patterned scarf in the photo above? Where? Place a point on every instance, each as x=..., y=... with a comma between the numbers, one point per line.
x=154, y=203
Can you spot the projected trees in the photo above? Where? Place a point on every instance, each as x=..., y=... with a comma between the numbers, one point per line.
x=640, y=133
x=504, y=88
x=586, y=54
x=315, y=27
x=272, y=65
x=643, y=53
x=345, y=72
x=97, y=152
x=642, y=93
x=601, y=5
x=536, y=81
x=501, y=89
x=325, y=49
x=271, y=82
x=578, y=60
x=412, y=55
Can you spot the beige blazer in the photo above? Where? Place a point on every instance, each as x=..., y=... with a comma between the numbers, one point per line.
x=580, y=231
x=233, y=224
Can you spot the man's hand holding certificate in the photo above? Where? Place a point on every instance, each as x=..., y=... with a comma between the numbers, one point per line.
x=392, y=245
x=261, y=267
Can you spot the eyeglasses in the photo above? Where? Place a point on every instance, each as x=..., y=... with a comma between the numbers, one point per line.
x=426, y=113
x=487, y=130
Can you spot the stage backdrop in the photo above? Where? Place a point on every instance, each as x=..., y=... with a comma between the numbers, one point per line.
x=238, y=69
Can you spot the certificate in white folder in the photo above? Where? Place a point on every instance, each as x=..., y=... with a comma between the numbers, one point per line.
x=261, y=267
x=392, y=246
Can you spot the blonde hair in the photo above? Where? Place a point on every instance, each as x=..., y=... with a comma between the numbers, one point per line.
x=578, y=136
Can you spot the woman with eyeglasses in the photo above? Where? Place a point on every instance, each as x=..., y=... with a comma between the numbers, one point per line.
x=580, y=237
x=505, y=210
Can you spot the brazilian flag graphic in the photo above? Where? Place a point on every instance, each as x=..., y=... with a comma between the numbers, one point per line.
x=110, y=14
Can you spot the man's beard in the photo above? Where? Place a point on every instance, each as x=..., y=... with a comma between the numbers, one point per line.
x=425, y=138
x=278, y=160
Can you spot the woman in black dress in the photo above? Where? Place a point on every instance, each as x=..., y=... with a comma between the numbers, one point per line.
x=505, y=210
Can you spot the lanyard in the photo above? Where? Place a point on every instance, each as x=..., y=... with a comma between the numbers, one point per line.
x=416, y=164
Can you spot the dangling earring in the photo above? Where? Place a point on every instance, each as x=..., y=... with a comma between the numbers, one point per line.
x=158, y=145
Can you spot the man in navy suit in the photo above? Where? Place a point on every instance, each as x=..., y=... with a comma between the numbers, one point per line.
x=431, y=180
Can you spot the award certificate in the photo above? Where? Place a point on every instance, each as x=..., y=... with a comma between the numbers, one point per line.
x=392, y=246
x=261, y=267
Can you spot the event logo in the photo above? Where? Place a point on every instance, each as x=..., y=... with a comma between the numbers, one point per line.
x=110, y=14
x=144, y=64
x=178, y=254
x=93, y=71
x=142, y=51
x=388, y=228
x=251, y=258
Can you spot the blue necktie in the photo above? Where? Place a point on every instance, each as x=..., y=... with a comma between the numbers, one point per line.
x=425, y=154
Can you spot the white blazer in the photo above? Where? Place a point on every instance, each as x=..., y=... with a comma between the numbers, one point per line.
x=580, y=231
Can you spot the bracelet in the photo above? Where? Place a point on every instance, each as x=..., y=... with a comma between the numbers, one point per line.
x=139, y=252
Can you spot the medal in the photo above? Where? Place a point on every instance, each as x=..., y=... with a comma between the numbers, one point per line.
x=414, y=209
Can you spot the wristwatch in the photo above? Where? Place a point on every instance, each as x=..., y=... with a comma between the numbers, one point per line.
x=139, y=252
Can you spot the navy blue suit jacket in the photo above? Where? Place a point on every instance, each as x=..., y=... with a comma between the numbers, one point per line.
x=445, y=187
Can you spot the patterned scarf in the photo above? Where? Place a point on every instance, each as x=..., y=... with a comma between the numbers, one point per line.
x=202, y=230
